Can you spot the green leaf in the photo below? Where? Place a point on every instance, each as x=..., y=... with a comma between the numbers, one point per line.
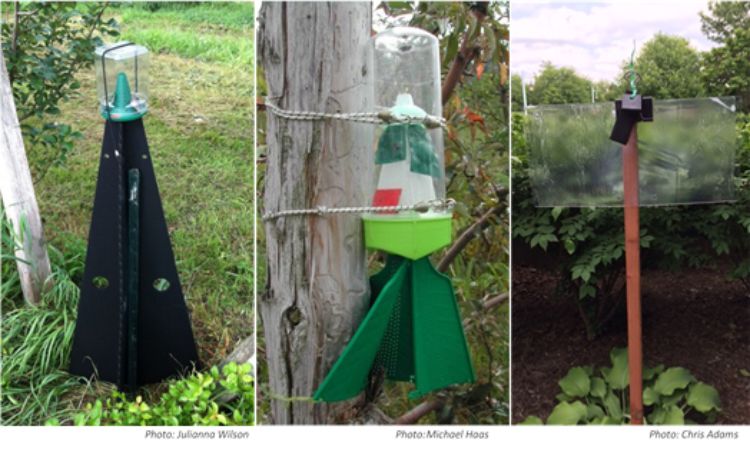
x=598, y=387
x=613, y=406
x=576, y=383
x=674, y=415
x=617, y=376
x=532, y=420
x=674, y=399
x=593, y=411
x=585, y=291
x=672, y=379
x=651, y=372
x=703, y=397
x=567, y=413
x=570, y=246
x=650, y=397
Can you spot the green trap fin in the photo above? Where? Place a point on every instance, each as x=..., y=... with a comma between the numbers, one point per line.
x=348, y=376
x=413, y=331
x=441, y=354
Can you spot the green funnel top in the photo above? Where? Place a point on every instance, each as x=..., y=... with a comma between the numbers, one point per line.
x=123, y=109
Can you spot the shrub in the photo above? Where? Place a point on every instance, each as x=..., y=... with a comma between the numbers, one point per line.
x=218, y=397
x=45, y=45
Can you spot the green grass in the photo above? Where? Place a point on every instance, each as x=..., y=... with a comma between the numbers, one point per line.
x=211, y=16
x=200, y=132
x=36, y=344
x=213, y=32
x=184, y=43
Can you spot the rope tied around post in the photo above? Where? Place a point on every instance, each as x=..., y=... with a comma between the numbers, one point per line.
x=384, y=117
x=320, y=211
x=376, y=118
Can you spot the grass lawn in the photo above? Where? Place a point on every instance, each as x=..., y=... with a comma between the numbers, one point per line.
x=200, y=132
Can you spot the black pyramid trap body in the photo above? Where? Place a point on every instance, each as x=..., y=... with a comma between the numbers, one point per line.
x=133, y=326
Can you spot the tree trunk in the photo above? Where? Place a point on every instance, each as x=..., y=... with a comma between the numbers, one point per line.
x=19, y=199
x=314, y=59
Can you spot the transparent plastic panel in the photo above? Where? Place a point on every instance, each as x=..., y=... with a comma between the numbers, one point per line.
x=409, y=159
x=685, y=156
x=132, y=61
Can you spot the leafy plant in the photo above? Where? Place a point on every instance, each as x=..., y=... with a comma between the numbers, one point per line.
x=45, y=45
x=221, y=396
x=600, y=396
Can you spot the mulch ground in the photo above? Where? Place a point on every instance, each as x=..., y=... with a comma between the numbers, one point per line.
x=699, y=320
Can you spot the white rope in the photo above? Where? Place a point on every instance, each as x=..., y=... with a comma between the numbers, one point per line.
x=385, y=117
x=323, y=210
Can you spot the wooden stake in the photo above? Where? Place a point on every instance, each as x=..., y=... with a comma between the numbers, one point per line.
x=19, y=200
x=633, y=275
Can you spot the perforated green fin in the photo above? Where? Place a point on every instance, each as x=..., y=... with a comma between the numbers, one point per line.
x=413, y=331
x=348, y=376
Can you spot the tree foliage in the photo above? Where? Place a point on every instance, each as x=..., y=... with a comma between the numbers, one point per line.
x=45, y=45
x=555, y=85
x=669, y=68
x=725, y=19
x=726, y=69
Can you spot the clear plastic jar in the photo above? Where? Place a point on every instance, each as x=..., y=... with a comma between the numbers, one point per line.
x=406, y=81
x=122, y=81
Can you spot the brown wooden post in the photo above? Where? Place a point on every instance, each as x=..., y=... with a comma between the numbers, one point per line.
x=633, y=275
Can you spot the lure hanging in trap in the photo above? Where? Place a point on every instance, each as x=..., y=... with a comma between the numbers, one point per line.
x=133, y=326
x=413, y=330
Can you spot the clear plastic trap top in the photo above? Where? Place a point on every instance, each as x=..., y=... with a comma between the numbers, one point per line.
x=409, y=155
x=122, y=80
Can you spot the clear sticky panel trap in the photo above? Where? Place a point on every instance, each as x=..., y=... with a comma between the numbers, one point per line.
x=129, y=60
x=685, y=156
x=409, y=157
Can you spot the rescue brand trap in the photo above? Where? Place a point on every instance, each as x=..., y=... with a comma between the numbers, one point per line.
x=413, y=330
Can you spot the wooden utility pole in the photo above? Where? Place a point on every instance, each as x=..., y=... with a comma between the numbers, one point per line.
x=633, y=274
x=314, y=58
x=19, y=199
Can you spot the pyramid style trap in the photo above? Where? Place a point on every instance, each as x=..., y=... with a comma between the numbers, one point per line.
x=133, y=326
x=413, y=330
x=637, y=152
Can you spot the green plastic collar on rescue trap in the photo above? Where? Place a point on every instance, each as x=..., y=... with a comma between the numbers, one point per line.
x=409, y=236
x=413, y=332
x=122, y=110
